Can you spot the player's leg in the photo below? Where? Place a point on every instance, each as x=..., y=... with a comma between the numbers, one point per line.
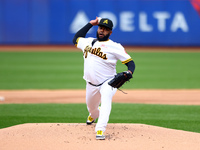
x=93, y=99
x=107, y=93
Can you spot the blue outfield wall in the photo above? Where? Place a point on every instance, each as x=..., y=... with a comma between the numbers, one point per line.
x=136, y=22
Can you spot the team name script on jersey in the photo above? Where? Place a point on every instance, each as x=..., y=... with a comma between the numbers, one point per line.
x=95, y=51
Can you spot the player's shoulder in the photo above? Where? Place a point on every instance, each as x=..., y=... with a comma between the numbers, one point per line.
x=88, y=39
x=83, y=42
x=116, y=44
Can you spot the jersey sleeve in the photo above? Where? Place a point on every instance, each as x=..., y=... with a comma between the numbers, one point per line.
x=122, y=55
x=83, y=42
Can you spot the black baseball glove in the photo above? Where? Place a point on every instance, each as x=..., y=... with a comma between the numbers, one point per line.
x=120, y=79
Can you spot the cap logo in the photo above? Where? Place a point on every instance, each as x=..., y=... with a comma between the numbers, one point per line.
x=105, y=21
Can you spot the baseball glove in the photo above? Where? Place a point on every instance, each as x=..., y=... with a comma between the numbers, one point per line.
x=120, y=79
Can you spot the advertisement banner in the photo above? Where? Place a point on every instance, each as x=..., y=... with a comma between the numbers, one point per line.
x=136, y=22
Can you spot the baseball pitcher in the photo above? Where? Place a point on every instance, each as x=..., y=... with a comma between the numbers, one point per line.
x=100, y=57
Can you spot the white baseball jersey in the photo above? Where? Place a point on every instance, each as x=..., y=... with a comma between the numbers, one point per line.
x=101, y=58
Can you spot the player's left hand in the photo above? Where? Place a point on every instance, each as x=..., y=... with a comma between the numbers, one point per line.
x=120, y=79
x=128, y=75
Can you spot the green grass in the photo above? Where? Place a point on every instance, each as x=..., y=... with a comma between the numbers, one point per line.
x=64, y=70
x=40, y=70
x=169, y=116
x=167, y=70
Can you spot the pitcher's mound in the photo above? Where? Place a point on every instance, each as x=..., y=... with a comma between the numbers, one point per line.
x=61, y=136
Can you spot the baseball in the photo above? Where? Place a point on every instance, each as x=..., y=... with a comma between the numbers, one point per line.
x=99, y=19
x=2, y=98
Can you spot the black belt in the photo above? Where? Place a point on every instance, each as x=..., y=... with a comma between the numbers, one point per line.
x=98, y=84
x=94, y=84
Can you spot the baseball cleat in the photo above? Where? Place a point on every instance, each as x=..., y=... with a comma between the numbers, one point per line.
x=90, y=120
x=100, y=135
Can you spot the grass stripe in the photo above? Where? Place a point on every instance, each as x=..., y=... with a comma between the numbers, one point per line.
x=170, y=116
x=64, y=70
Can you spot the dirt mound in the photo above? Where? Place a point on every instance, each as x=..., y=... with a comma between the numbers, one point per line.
x=54, y=136
x=57, y=136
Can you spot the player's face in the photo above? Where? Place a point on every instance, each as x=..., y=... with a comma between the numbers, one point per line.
x=103, y=33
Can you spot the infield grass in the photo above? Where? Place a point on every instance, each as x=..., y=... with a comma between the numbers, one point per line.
x=64, y=70
x=170, y=116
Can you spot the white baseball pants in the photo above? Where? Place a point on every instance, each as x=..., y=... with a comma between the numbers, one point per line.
x=100, y=95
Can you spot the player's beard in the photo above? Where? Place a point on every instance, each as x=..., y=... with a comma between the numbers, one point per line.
x=105, y=38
